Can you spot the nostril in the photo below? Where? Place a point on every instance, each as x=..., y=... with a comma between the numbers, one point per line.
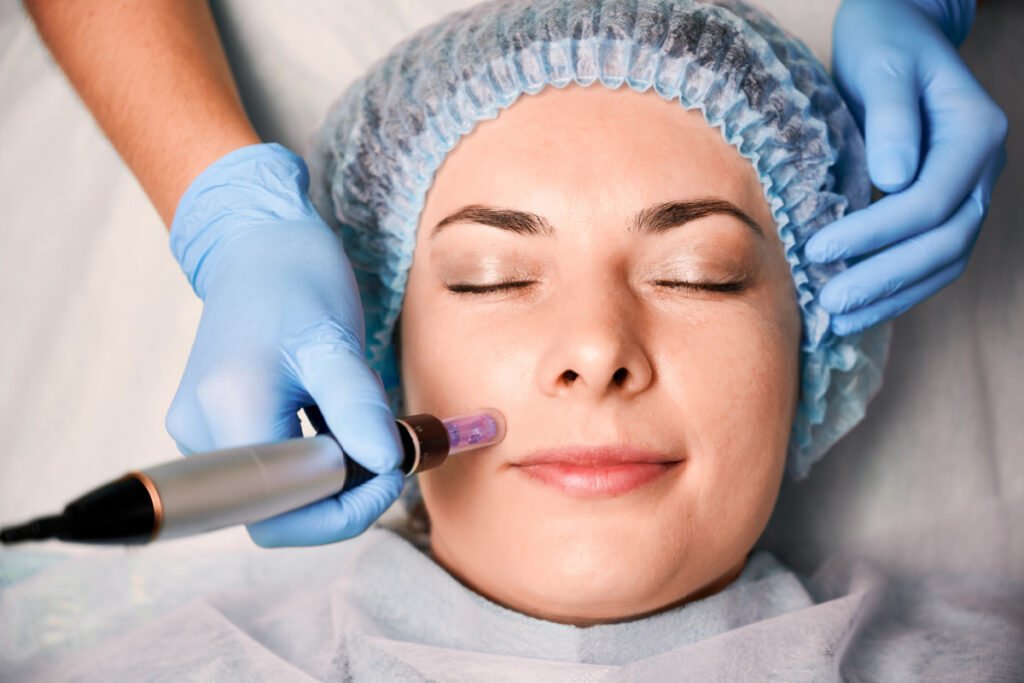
x=620, y=376
x=570, y=375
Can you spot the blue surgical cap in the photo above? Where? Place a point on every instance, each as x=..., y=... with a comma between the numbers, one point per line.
x=374, y=158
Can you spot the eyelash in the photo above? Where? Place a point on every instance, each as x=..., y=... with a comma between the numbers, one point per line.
x=717, y=287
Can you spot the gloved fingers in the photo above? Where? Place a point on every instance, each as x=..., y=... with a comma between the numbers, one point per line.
x=890, y=93
x=902, y=265
x=330, y=364
x=897, y=304
x=899, y=216
x=960, y=150
x=332, y=519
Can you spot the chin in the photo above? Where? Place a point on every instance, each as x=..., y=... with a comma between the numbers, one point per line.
x=565, y=599
x=597, y=570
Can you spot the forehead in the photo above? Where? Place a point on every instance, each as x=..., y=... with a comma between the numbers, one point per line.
x=592, y=150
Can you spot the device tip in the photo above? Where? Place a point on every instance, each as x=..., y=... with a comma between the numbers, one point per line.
x=484, y=427
x=36, y=530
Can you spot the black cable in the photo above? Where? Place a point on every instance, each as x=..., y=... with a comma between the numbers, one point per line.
x=36, y=530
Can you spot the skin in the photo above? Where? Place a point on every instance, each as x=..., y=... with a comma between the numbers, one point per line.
x=155, y=77
x=597, y=349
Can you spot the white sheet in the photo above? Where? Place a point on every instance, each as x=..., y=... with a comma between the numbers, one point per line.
x=940, y=607
x=98, y=321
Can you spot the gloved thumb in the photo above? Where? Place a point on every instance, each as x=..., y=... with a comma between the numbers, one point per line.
x=890, y=93
x=330, y=364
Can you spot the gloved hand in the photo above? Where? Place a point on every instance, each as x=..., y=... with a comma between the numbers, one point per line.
x=896, y=64
x=282, y=328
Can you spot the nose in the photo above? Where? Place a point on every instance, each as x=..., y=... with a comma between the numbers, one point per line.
x=596, y=348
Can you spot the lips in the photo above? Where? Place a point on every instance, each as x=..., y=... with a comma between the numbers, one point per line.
x=597, y=471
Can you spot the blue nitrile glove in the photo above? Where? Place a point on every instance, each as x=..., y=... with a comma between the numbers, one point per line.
x=935, y=140
x=282, y=328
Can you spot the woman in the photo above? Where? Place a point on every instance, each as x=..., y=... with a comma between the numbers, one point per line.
x=620, y=272
x=607, y=269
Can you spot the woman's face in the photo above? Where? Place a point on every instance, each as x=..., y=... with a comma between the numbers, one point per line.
x=646, y=314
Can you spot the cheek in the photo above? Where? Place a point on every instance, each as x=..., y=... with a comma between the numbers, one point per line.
x=458, y=357
x=733, y=375
x=737, y=369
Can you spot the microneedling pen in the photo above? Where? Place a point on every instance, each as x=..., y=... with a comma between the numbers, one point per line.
x=243, y=485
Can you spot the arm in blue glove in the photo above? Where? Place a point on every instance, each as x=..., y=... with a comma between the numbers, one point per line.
x=282, y=325
x=282, y=328
x=935, y=141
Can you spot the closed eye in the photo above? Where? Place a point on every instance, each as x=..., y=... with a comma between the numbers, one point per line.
x=467, y=288
x=723, y=287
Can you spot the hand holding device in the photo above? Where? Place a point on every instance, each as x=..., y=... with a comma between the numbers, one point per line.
x=281, y=329
x=246, y=484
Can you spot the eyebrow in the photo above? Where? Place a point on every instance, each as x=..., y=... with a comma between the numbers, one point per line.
x=653, y=220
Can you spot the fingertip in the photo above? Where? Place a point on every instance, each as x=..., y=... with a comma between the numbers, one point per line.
x=892, y=168
x=821, y=250
x=891, y=188
x=262, y=535
x=832, y=299
x=814, y=251
x=845, y=325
